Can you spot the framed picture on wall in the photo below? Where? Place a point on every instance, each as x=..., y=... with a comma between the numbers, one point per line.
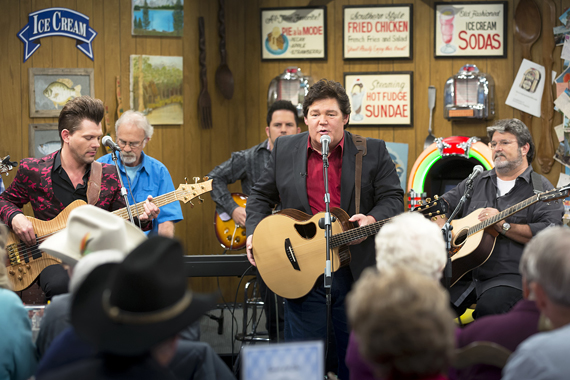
x=380, y=99
x=162, y=18
x=377, y=31
x=50, y=89
x=43, y=139
x=293, y=33
x=470, y=29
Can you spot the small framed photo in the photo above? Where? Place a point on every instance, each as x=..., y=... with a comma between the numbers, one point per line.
x=50, y=89
x=377, y=31
x=293, y=33
x=380, y=99
x=470, y=29
x=43, y=139
x=160, y=18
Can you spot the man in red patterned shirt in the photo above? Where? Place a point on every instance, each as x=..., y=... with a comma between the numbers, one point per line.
x=51, y=183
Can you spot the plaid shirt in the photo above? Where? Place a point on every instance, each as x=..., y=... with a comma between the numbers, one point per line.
x=245, y=166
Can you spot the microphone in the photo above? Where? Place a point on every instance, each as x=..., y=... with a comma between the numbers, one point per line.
x=108, y=142
x=478, y=169
x=325, y=141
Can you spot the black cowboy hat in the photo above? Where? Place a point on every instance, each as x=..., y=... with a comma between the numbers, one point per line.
x=134, y=305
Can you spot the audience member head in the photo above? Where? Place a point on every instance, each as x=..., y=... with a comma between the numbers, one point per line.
x=403, y=324
x=139, y=305
x=410, y=241
x=76, y=111
x=545, y=264
x=520, y=132
x=4, y=281
x=281, y=121
x=90, y=229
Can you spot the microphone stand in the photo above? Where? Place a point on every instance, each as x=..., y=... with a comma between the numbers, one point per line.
x=326, y=224
x=446, y=229
x=123, y=190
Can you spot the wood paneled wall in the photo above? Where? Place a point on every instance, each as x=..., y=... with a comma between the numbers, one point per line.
x=189, y=151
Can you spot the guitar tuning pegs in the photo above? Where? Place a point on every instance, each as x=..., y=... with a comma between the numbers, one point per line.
x=436, y=197
x=196, y=179
x=437, y=212
x=428, y=200
x=430, y=214
x=205, y=178
x=201, y=200
x=420, y=203
x=191, y=204
x=186, y=180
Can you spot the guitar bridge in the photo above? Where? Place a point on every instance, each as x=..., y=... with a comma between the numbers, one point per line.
x=291, y=255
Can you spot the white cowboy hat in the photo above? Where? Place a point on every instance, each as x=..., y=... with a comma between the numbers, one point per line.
x=91, y=229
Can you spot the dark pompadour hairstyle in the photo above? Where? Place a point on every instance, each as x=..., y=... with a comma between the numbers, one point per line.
x=77, y=110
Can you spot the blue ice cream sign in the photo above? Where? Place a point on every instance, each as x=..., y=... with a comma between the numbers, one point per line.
x=57, y=22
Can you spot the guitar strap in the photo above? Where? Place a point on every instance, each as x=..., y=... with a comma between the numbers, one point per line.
x=536, y=182
x=360, y=143
x=94, y=183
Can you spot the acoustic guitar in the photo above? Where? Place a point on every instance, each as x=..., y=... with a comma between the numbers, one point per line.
x=25, y=263
x=231, y=235
x=289, y=247
x=472, y=242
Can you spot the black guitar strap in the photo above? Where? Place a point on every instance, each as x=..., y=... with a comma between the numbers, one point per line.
x=360, y=143
x=536, y=182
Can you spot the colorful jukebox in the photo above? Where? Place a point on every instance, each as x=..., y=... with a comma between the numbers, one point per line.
x=444, y=164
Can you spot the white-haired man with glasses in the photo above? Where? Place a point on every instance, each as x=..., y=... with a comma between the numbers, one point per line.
x=143, y=175
x=496, y=285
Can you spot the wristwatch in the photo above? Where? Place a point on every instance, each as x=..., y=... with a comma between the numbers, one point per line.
x=506, y=227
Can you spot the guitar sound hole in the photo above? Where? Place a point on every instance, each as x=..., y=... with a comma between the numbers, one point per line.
x=307, y=231
x=461, y=237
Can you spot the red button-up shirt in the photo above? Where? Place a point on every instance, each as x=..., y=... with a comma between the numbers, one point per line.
x=315, y=179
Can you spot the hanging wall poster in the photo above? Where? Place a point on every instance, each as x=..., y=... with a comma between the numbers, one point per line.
x=162, y=18
x=380, y=98
x=293, y=33
x=470, y=29
x=377, y=32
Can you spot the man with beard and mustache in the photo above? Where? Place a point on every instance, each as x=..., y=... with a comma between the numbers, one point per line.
x=143, y=175
x=52, y=182
x=496, y=285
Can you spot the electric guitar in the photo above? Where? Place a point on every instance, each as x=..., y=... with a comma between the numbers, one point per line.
x=231, y=235
x=6, y=165
x=24, y=263
x=472, y=242
x=289, y=246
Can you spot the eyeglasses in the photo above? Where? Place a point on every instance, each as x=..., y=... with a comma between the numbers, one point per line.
x=502, y=143
x=133, y=145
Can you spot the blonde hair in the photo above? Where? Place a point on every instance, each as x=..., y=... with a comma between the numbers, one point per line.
x=411, y=241
x=402, y=322
x=4, y=282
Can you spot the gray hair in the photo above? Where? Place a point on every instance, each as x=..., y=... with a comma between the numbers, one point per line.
x=135, y=118
x=517, y=128
x=546, y=260
x=422, y=251
x=4, y=281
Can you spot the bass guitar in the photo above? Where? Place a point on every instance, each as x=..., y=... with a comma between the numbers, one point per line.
x=289, y=247
x=472, y=242
x=231, y=235
x=25, y=263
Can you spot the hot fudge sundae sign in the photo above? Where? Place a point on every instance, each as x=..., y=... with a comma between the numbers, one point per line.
x=380, y=98
x=293, y=33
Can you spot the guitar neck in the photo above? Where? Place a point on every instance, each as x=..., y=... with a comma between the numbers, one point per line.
x=357, y=233
x=137, y=209
x=503, y=214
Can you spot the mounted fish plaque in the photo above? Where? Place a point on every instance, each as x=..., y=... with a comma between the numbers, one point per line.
x=469, y=94
x=57, y=22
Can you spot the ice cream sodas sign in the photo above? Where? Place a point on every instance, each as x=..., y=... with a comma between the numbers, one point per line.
x=466, y=29
x=57, y=22
x=380, y=98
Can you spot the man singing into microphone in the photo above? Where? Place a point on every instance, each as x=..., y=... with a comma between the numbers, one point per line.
x=52, y=182
x=143, y=175
x=496, y=285
x=294, y=177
